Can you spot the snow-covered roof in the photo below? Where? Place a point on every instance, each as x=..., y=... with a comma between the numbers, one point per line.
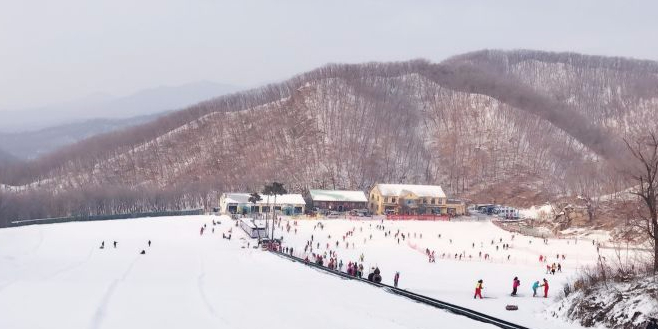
x=280, y=199
x=434, y=191
x=335, y=195
x=254, y=223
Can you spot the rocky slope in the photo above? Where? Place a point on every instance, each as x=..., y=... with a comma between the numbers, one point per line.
x=618, y=305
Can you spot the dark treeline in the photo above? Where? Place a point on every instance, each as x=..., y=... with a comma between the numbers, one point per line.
x=106, y=200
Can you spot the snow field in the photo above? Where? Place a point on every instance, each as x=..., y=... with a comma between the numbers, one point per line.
x=55, y=276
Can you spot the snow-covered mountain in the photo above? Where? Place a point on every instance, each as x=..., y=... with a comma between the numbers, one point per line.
x=503, y=126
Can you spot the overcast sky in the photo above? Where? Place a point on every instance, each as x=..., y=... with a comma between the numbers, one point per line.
x=52, y=51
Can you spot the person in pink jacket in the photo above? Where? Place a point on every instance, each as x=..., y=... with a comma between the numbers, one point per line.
x=515, y=285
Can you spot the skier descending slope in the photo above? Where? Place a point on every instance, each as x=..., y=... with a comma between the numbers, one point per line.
x=478, y=289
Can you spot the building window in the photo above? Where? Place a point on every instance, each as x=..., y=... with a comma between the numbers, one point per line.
x=433, y=201
x=392, y=200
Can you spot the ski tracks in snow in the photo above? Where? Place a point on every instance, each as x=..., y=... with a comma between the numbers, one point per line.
x=70, y=267
x=101, y=309
x=11, y=259
x=204, y=297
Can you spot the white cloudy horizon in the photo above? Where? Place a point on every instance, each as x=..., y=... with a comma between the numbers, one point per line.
x=59, y=51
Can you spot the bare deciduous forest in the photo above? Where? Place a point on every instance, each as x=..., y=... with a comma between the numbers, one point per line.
x=519, y=127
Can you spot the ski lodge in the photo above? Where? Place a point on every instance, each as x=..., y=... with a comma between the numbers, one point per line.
x=337, y=200
x=406, y=199
x=238, y=203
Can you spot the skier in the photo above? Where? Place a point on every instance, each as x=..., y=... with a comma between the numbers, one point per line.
x=149, y=243
x=535, y=286
x=103, y=245
x=396, y=278
x=143, y=252
x=559, y=267
x=545, y=285
x=515, y=285
x=478, y=289
x=115, y=244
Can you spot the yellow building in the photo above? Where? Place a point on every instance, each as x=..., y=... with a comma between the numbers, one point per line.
x=405, y=199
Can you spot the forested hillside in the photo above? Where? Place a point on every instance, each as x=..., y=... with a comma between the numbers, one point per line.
x=519, y=127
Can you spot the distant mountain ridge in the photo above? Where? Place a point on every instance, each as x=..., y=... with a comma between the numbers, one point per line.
x=32, y=144
x=104, y=106
x=7, y=159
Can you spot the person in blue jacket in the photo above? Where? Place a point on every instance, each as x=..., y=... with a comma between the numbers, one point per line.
x=535, y=286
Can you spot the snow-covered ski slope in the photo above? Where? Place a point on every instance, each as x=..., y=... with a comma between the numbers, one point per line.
x=55, y=276
x=449, y=279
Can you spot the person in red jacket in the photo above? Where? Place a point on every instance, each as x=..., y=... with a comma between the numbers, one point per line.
x=545, y=285
x=478, y=289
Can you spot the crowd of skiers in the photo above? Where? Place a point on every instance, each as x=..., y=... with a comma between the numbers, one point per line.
x=353, y=268
x=225, y=235
x=325, y=253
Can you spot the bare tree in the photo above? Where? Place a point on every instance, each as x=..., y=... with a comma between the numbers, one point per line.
x=643, y=172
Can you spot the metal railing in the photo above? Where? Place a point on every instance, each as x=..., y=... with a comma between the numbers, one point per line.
x=86, y=218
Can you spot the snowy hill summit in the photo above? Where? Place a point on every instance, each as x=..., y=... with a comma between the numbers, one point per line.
x=519, y=127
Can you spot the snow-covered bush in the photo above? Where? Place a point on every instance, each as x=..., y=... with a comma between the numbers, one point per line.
x=613, y=294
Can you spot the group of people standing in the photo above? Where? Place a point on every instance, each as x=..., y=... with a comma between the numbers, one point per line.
x=479, y=286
